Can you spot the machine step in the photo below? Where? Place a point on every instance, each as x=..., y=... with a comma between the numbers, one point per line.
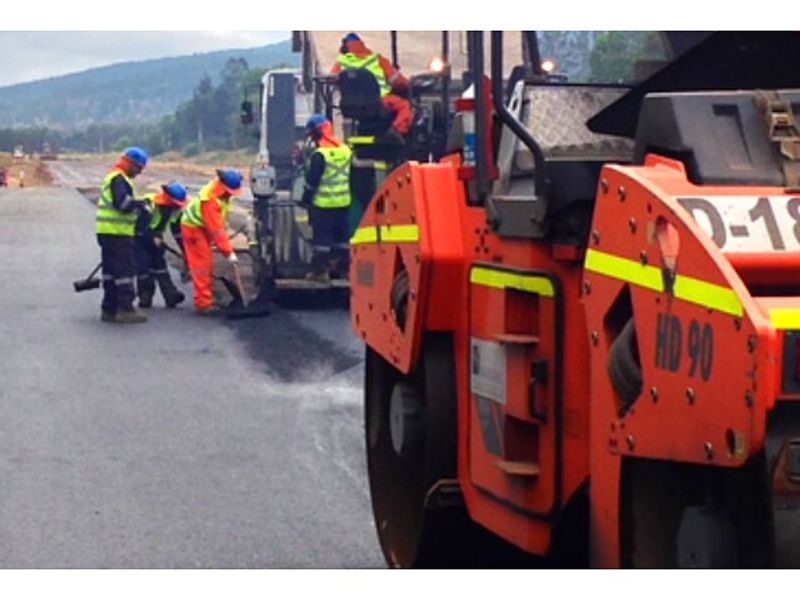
x=518, y=468
x=517, y=338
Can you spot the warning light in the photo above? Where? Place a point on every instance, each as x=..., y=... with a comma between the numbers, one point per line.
x=436, y=65
x=549, y=66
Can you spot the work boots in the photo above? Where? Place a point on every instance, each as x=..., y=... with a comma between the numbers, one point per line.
x=172, y=295
x=208, y=311
x=146, y=290
x=130, y=316
x=145, y=298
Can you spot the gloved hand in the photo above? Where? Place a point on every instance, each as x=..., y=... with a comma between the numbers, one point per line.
x=143, y=207
x=232, y=258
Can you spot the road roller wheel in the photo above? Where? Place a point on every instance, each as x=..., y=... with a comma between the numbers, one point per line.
x=410, y=422
x=681, y=515
x=411, y=460
x=707, y=539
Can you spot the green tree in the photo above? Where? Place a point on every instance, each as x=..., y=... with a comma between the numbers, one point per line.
x=226, y=100
x=616, y=55
x=202, y=105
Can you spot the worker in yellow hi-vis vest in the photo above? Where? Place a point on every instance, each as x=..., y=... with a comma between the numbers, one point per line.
x=115, y=225
x=326, y=195
x=392, y=84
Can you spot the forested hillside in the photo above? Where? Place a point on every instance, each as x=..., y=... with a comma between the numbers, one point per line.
x=125, y=93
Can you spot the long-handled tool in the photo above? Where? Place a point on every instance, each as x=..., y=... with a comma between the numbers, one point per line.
x=230, y=286
x=90, y=283
x=247, y=310
x=237, y=277
x=239, y=308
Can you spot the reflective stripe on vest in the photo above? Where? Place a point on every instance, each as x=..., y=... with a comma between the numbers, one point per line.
x=109, y=220
x=334, y=187
x=157, y=221
x=193, y=215
x=371, y=64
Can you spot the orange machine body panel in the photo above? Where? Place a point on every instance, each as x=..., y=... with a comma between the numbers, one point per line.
x=709, y=354
x=532, y=326
x=519, y=458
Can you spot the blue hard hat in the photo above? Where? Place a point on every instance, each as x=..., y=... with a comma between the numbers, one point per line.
x=315, y=121
x=351, y=37
x=231, y=179
x=175, y=191
x=136, y=155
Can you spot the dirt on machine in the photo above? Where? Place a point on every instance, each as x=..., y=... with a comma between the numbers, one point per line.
x=581, y=320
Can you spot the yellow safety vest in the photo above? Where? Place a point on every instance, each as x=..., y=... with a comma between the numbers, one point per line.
x=109, y=220
x=371, y=64
x=334, y=187
x=193, y=215
x=158, y=214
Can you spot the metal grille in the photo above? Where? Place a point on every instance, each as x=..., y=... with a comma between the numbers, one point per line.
x=557, y=117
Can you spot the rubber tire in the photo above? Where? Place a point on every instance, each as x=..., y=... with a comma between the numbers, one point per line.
x=623, y=367
x=398, y=298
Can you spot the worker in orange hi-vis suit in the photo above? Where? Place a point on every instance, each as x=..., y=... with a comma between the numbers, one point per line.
x=354, y=54
x=203, y=224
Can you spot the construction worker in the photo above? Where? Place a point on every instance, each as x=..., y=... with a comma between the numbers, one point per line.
x=151, y=267
x=354, y=54
x=326, y=194
x=203, y=224
x=117, y=212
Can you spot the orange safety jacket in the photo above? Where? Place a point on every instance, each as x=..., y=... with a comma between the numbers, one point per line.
x=208, y=211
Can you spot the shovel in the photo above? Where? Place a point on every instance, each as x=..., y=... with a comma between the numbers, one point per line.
x=245, y=309
x=233, y=289
x=239, y=308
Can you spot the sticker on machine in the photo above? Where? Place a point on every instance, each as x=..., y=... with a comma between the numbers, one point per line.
x=488, y=370
x=748, y=223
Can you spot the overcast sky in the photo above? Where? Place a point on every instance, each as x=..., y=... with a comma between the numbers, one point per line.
x=31, y=55
x=49, y=37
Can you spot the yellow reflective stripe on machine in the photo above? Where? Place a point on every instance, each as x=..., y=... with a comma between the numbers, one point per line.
x=708, y=295
x=696, y=291
x=785, y=318
x=494, y=278
x=399, y=233
x=625, y=269
x=388, y=233
x=364, y=235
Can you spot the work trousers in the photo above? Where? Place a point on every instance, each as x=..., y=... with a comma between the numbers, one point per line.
x=330, y=225
x=116, y=254
x=331, y=228
x=200, y=260
x=150, y=262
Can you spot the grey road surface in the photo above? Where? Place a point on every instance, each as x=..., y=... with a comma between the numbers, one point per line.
x=182, y=442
